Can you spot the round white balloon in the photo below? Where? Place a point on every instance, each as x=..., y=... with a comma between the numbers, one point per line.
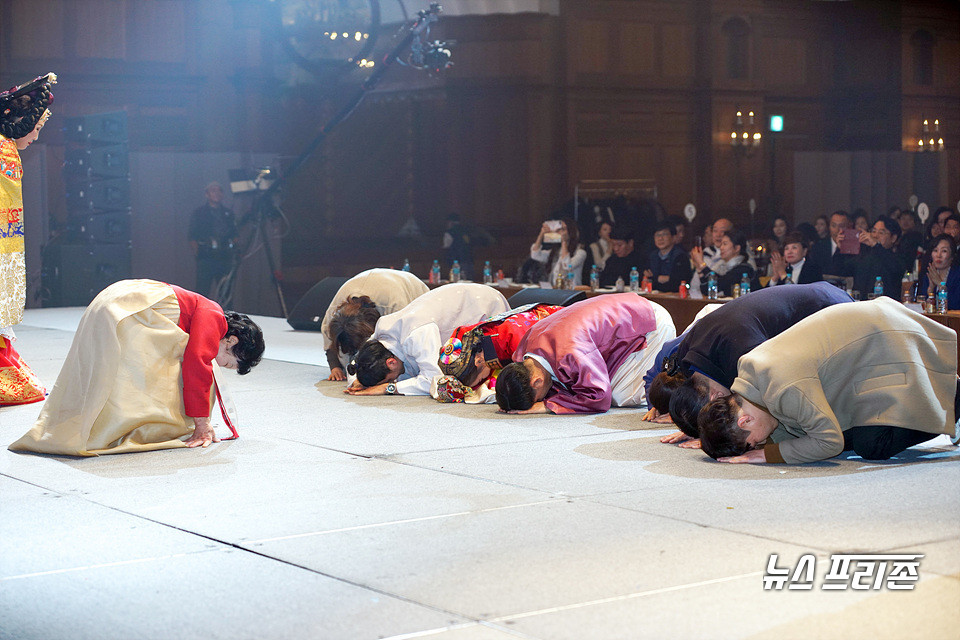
x=690, y=212
x=923, y=212
x=913, y=200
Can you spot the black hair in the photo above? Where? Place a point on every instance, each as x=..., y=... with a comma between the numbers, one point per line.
x=943, y=237
x=720, y=435
x=676, y=221
x=793, y=237
x=738, y=239
x=809, y=233
x=661, y=390
x=623, y=232
x=666, y=225
x=952, y=216
x=893, y=226
x=249, y=347
x=514, y=392
x=19, y=116
x=353, y=323
x=841, y=212
x=685, y=405
x=370, y=363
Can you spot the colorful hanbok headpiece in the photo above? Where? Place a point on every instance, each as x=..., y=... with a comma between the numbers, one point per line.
x=24, y=106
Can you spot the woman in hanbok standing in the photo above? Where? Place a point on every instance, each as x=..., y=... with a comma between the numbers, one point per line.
x=21, y=119
x=120, y=387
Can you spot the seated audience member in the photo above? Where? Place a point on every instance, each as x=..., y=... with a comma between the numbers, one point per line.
x=706, y=360
x=941, y=215
x=826, y=252
x=942, y=268
x=472, y=358
x=809, y=234
x=680, y=230
x=934, y=229
x=602, y=248
x=861, y=221
x=911, y=235
x=951, y=227
x=711, y=250
x=872, y=377
x=401, y=356
x=669, y=264
x=586, y=358
x=789, y=265
x=778, y=231
x=822, y=226
x=626, y=256
x=878, y=259
x=735, y=265
x=563, y=258
x=356, y=307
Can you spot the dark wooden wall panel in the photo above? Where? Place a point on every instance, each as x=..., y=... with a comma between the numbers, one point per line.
x=534, y=103
x=35, y=29
x=100, y=29
x=158, y=31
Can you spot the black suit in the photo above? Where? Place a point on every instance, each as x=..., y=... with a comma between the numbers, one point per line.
x=810, y=272
x=835, y=264
x=620, y=268
x=877, y=262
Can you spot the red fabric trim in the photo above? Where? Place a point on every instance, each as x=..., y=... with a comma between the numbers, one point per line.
x=204, y=321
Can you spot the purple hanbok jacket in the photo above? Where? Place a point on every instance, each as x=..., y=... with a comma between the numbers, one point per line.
x=585, y=344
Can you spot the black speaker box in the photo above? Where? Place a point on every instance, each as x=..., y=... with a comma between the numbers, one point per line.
x=102, y=195
x=112, y=161
x=307, y=314
x=100, y=228
x=103, y=128
x=73, y=275
x=561, y=297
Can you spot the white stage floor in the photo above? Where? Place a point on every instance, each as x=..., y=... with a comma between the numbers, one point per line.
x=340, y=517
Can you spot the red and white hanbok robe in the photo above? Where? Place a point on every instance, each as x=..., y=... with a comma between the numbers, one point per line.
x=139, y=369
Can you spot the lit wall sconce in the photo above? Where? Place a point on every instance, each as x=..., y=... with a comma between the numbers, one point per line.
x=930, y=139
x=746, y=136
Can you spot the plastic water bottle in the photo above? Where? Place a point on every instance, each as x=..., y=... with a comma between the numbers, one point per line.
x=571, y=275
x=595, y=277
x=619, y=285
x=634, y=280
x=487, y=273
x=712, y=290
x=878, y=287
x=435, y=272
x=406, y=266
x=745, y=285
x=942, y=298
x=455, y=271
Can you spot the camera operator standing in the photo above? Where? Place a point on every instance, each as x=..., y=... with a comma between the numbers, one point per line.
x=213, y=235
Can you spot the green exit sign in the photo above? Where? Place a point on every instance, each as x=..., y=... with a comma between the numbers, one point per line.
x=776, y=123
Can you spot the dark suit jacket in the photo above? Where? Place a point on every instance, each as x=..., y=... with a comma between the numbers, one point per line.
x=810, y=272
x=876, y=262
x=837, y=264
x=620, y=268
